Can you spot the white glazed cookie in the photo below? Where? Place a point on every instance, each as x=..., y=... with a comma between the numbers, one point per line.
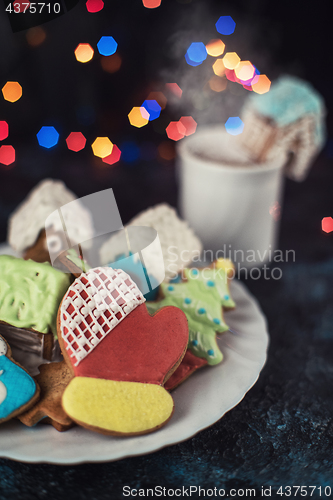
x=178, y=241
x=29, y=218
x=289, y=118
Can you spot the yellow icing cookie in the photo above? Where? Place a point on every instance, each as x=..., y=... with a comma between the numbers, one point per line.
x=112, y=407
x=225, y=264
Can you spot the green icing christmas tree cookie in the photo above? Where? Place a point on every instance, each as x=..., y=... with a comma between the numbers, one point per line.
x=201, y=298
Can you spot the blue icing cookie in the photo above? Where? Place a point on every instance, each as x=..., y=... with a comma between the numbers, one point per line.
x=19, y=388
x=138, y=273
x=288, y=100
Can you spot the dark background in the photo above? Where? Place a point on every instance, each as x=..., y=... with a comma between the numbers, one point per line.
x=282, y=432
x=57, y=90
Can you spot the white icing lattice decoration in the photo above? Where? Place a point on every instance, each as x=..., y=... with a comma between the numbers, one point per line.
x=94, y=305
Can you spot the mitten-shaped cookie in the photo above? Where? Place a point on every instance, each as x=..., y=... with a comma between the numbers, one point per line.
x=120, y=355
x=18, y=391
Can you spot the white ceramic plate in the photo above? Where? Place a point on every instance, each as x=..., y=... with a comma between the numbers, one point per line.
x=202, y=400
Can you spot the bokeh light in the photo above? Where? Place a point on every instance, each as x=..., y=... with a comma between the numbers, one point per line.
x=7, y=155
x=166, y=150
x=189, y=123
x=231, y=60
x=12, y=91
x=191, y=63
x=275, y=211
x=218, y=67
x=196, y=54
x=175, y=131
x=4, y=131
x=225, y=25
x=261, y=84
x=230, y=74
x=327, y=224
x=114, y=157
x=215, y=47
x=111, y=64
x=102, y=147
x=76, y=141
x=217, y=84
x=244, y=71
x=48, y=137
x=35, y=36
x=159, y=97
x=153, y=108
x=234, y=125
x=84, y=52
x=175, y=89
x=94, y=5
x=107, y=45
x=138, y=117
x=151, y=4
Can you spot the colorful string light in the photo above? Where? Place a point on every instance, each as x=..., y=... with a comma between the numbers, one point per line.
x=138, y=117
x=107, y=45
x=153, y=109
x=196, y=54
x=151, y=4
x=225, y=25
x=231, y=60
x=114, y=157
x=215, y=47
x=94, y=6
x=47, y=137
x=261, y=84
x=84, y=52
x=218, y=67
x=175, y=131
x=12, y=91
x=4, y=130
x=102, y=147
x=76, y=141
x=234, y=125
x=327, y=224
x=7, y=155
x=189, y=123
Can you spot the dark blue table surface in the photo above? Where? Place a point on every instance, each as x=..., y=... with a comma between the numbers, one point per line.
x=282, y=432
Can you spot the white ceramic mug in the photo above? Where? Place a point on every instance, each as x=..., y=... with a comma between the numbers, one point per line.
x=229, y=200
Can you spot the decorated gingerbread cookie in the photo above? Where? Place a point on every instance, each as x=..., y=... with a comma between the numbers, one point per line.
x=52, y=380
x=30, y=294
x=202, y=297
x=26, y=230
x=120, y=356
x=73, y=261
x=289, y=119
x=178, y=242
x=18, y=391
